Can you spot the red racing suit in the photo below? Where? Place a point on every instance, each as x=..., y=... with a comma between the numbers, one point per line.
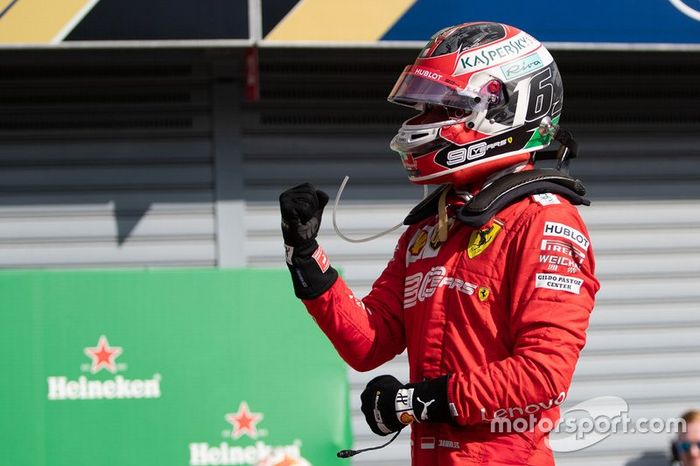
x=503, y=309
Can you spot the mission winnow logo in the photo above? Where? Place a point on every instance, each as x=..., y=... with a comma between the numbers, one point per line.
x=244, y=423
x=89, y=386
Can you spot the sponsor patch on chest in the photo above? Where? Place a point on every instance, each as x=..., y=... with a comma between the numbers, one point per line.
x=419, y=286
x=425, y=243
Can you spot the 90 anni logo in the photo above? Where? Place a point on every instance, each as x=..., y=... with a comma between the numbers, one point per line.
x=476, y=151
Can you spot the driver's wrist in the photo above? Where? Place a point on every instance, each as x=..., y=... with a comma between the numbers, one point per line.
x=312, y=274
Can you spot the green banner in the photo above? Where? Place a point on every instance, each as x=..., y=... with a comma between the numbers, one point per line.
x=168, y=367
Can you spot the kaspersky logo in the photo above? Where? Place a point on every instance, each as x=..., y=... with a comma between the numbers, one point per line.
x=103, y=358
x=243, y=427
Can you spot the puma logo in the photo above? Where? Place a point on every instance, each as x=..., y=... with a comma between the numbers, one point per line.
x=424, y=413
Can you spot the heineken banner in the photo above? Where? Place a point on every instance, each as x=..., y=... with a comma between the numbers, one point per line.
x=177, y=367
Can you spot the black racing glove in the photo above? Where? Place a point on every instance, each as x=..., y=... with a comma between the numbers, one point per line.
x=388, y=405
x=302, y=209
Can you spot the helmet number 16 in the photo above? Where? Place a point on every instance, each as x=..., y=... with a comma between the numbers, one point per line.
x=541, y=92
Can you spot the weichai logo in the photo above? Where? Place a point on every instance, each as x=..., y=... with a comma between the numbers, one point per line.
x=103, y=357
x=243, y=427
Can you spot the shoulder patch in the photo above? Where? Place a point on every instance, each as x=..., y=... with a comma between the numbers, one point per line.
x=545, y=199
x=558, y=282
x=564, y=231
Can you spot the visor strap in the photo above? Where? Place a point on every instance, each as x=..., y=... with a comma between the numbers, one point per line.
x=442, y=216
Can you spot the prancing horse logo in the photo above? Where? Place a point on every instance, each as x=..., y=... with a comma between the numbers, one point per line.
x=482, y=239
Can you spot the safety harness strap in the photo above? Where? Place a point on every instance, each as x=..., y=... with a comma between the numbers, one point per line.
x=427, y=207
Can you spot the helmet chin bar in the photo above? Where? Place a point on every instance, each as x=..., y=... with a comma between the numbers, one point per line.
x=477, y=119
x=411, y=137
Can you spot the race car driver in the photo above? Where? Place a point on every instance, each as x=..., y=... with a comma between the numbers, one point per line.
x=491, y=286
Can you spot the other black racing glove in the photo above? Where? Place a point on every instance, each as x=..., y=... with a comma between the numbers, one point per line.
x=389, y=405
x=302, y=208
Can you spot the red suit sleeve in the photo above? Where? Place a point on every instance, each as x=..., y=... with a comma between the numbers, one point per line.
x=370, y=332
x=549, y=313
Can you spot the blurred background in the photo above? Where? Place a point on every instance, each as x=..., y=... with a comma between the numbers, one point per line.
x=153, y=134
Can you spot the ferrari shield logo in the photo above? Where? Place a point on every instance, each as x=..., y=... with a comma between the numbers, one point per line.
x=482, y=239
x=484, y=293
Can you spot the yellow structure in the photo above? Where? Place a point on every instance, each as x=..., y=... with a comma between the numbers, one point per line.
x=339, y=20
x=40, y=21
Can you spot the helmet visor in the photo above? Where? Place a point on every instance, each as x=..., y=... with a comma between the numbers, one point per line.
x=418, y=86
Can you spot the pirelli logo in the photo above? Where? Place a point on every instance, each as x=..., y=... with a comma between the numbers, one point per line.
x=563, y=247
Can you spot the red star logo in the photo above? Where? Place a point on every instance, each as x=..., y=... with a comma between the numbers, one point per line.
x=103, y=356
x=244, y=421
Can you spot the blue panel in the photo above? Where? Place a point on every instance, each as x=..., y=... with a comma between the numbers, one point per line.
x=163, y=20
x=617, y=21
